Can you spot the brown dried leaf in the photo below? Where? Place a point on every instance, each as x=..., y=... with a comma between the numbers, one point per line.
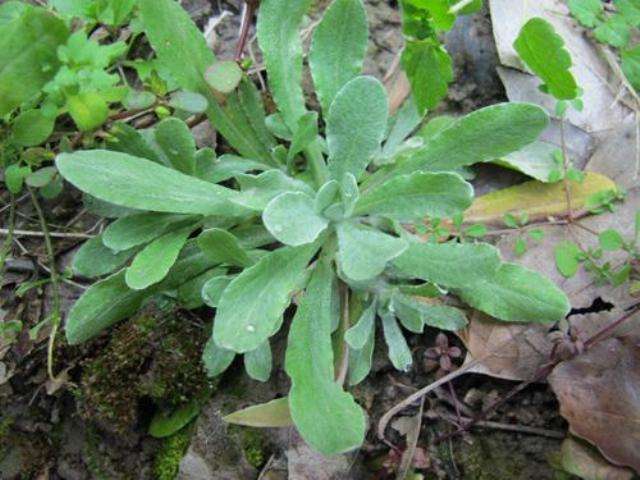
x=580, y=459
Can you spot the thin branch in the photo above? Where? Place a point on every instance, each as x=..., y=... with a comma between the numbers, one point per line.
x=31, y=233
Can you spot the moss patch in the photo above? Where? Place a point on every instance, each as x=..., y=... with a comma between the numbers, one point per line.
x=167, y=461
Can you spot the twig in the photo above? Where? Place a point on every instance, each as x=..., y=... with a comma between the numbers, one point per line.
x=542, y=432
x=31, y=233
x=6, y=246
x=565, y=168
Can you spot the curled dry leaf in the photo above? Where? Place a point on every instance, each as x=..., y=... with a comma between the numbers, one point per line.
x=599, y=395
x=578, y=458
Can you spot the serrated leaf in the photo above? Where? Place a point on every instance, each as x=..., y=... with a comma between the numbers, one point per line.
x=429, y=69
x=338, y=48
x=448, y=264
x=398, y=350
x=567, y=258
x=221, y=246
x=258, y=362
x=31, y=127
x=164, y=424
x=363, y=252
x=139, y=183
x=252, y=305
x=133, y=230
x=216, y=360
x=259, y=190
x=586, y=11
x=356, y=125
x=93, y=259
x=273, y=414
x=414, y=196
x=516, y=294
x=177, y=143
x=292, y=219
x=358, y=335
x=327, y=417
x=223, y=76
x=152, y=264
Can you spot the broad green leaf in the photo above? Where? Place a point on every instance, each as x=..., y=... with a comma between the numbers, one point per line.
x=356, y=125
x=327, y=418
x=126, y=139
x=614, y=30
x=31, y=128
x=516, y=294
x=190, y=102
x=543, y=50
x=138, y=183
x=213, y=289
x=14, y=176
x=216, y=360
x=229, y=166
x=338, y=48
x=273, y=414
x=630, y=11
x=164, y=424
x=398, y=350
x=189, y=294
x=292, y=219
x=93, y=259
x=252, y=305
x=484, y=135
x=586, y=11
x=138, y=100
x=358, y=335
x=448, y=264
x=360, y=361
x=224, y=76
x=363, y=252
x=191, y=263
x=414, y=313
x=11, y=10
x=304, y=135
x=89, y=110
x=177, y=143
x=631, y=65
x=103, y=304
x=567, y=258
x=259, y=190
x=414, y=196
x=536, y=160
x=278, y=28
x=327, y=195
x=258, y=362
x=610, y=240
x=154, y=261
x=221, y=246
x=133, y=230
x=28, y=59
x=41, y=177
x=429, y=69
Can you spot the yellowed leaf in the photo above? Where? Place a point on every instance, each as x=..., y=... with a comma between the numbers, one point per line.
x=271, y=414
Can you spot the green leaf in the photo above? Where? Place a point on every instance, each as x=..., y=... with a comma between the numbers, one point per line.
x=399, y=352
x=536, y=160
x=251, y=306
x=11, y=10
x=326, y=196
x=164, y=424
x=273, y=414
x=100, y=306
x=14, y=176
x=356, y=125
x=31, y=128
x=41, y=177
x=414, y=196
x=259, y=190
x=516, y=294
x=216, y=360
x=229, y=166
x=190, y=295
x=631, y=65
x=567, y=255
x=292, y=219
x=93, y=259
x=415, y=313
x=360, y=361
x=28, y=59
x=630, y=11
x=223, y=77
x=138, y=183
x=448, y=264
x=213, y=289
x=358, y=335
x=221, y=246
x=88, y=110
x=328, y=418
x=177, y=143
x=586, y=11
x=304, y=135
x=153, y=263
x=429, y=69
x=542, y=49
x=190, y=102
x=126, y=139
x=133, y=230
x=279, y=40
x=363, y=252
x=610, y=240
x=338, y=48
x=258, y=362
x=615, y=31
x=405, y=121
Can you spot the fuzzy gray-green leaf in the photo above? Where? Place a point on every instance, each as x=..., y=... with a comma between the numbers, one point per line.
x=221, y=246
x=258, y=362
x=399, y=352
x=177, y=143
x=139, y=228
x=93, y=259
x=292, y=219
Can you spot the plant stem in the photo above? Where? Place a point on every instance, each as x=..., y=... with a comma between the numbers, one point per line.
x=565, y=168
x=6, y=246
x=9, y=232
x=459, y=6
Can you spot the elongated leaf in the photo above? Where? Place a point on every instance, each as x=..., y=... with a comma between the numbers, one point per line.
x=364, y=252
x=327, y=417
x=516, y=294
x=258, y=362
x=305, y=134
x=279, y=39
x=358, y=335
x=399, y=352
x=448, y=264
x=405, y=121
x=102, y=305
x=165, y=424
x=229, y=166
x=138, y=183
x=153, y=263
x=414, y=196
x=175, y=139
x=360, y=361
x=338, y=48
x=189, y=294
x=356, y=125
x=273, y=414
x=216, y=360
x=259, y=190
x=292, y=219
x=415, y=313
x=221, y=246
x=252, y=305
x=93, y=259
x=133, y=230
x=536, y=160
x=542, y=49
x=213, y=289
x=28, y=59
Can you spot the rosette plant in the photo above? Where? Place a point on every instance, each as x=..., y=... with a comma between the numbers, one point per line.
x=320, y=219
